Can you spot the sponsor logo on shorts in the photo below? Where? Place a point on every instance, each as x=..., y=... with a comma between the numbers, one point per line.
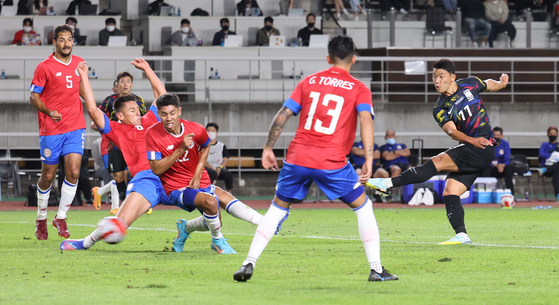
x=130, y=186
x=47, y=152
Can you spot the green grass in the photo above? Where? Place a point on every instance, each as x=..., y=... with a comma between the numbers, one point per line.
x=318, y=259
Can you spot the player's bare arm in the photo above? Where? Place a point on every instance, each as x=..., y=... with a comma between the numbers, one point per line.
x=156, y=84
x=493, y=85
x=197, y=176
x=40, y=105
x=368, y=139
x=268, y=157
x=450, y=129
x=86, y=93
x=159, y=167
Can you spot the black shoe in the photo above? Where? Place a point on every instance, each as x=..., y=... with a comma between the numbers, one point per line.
x=383, y=276
x=244, y=273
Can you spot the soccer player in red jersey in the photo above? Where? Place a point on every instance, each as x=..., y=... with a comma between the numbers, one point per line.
x=329, y=103
x=55, y=92
x=177, y=151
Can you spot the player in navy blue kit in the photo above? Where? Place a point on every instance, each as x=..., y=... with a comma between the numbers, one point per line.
x=461, y=114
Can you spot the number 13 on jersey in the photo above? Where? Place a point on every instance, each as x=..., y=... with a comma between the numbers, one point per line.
x=334, y=113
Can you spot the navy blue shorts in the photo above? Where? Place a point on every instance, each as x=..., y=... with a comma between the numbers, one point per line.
x=52, y=147
x=184, y=198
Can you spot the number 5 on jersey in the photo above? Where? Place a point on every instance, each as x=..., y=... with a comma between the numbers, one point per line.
x=334, y=113
x=69, y=81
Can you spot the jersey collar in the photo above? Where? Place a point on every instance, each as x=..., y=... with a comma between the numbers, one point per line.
x=66, y=64
x=174, y=135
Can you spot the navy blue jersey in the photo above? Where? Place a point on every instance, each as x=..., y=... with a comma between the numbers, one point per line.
x=465, y=108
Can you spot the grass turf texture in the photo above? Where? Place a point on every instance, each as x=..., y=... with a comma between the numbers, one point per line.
x=317, y=259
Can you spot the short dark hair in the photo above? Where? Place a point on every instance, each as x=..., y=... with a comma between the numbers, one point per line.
x=341, y=47
x=214, y=125
x=62, y=28
x=552, y=128
x=28, y=20
x=499, y=129
x=123, y=74
x=310, y=14
x=119, y=102
x=110, y=20
x=223, y=20
x=168, y=100
x=269, y=19
x=115, y=83
x=185, y=21
x=74, y=20
x=445, y=64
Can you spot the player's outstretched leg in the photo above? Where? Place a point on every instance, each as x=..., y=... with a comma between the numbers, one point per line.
x=184, y=228
x=414, y=174
x=72, y=244
x=236, y=208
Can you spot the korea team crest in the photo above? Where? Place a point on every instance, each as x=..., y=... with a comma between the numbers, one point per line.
x=47, y=152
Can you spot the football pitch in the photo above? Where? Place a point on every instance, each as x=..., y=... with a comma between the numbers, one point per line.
x=316, y=259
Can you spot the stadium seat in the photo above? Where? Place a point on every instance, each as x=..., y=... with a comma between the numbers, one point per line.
x=435, y=25
x=245, y=162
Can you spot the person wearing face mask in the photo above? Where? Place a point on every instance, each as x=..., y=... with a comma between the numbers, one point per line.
x=497, y=13
x=263, y=35
x=27, y=31
x=220, y=36
x=394, y=155
x=244, y=6
x=549, y=157
x=305, y=33
x=154, y=8
x=185, y=36
x=500, y=167
x=216, y=164
x=109, y=30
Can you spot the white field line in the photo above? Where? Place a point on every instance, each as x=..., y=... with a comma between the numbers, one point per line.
x=318, y=237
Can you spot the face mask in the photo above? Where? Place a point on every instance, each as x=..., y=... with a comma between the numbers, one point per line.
x=71, y=26
x=225, y=28
x=212, y=135
x=391, y=141
x=268, y=28
x=185, y=29
x=27, y=29
x=111, y=28
x=311, y=25
x=552, y=138
x=497, y=141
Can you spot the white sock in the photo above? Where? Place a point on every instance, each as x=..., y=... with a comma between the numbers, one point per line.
x=213, y=223
x=196, y=224
x=115, y=199
x=92, y=238
x=105, y=188
x=368, y=231
x=388, y=183
x=67, y=194
x=265, y=232
x=243, y=212
x=42, y=202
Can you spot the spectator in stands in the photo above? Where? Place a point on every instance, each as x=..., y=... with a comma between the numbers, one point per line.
x=357, y=156
x=219, y=37
x=305, y=33
x=394, y=155
x=244, y=6
x=402, y=6
x=216, y=164
x=154, y=8
x=71, y=21
x=473, y=12
x=501, y=164
x=109, y=30
x=497, y=12
x=27, y=32
x=356, y=8
x=549, y=155
x=263, y=34
x=40, y=7
x=285, y=6
x=23, y=7
x=71, y=10
x=339, y=5
x=184, y=37
x=521, y=6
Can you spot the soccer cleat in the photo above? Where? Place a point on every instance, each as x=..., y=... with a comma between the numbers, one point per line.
x=282, y=220
x=221, y=246
x=72, y=244
x=114, y=211
x=244, y=273
x=149, y=211
x=41, y=231
x=96, y=198
x=182, y=235
x=383, y=276
x=378, y=185
x=60, y=225
x=457, y=240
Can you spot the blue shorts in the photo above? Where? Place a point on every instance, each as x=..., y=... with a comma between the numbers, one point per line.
x=105, y=161
x=147, y=184
x=184, y=198
x=52, y=147
x=294, y=182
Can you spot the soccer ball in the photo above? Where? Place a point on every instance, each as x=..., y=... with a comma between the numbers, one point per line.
x=508, y=201
x=113, y=229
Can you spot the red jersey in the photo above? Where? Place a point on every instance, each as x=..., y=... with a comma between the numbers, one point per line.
x=130, y=139
x=58, y=85
x=329, y=102
x=104, y=145
x=161, y=144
